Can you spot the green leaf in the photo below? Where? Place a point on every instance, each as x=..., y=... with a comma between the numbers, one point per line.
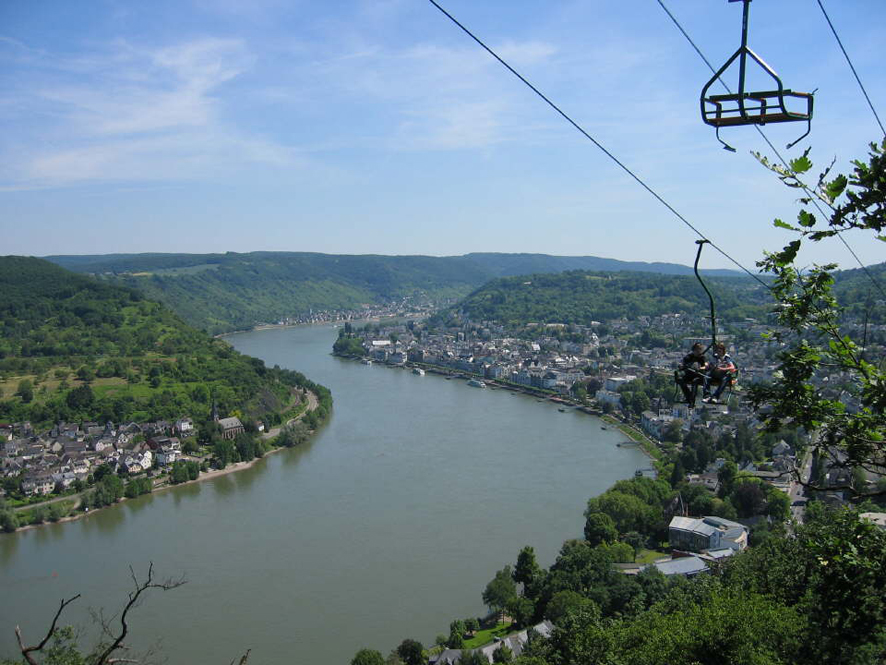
x=836, y=187
x=806, y=219
x=784, y=225
x=801, y=164
x=883, y=238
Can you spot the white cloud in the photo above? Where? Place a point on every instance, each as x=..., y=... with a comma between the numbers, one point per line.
x=137, y=114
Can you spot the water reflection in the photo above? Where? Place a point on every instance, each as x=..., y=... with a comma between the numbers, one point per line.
x=246, y=478
x=223, y=485
x=185, y=492
x=8, y=546
x=106, y=520
x=138, y=504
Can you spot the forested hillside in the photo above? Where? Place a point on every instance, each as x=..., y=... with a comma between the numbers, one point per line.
x=74, y=348
x=581, y=297
x=222, y=292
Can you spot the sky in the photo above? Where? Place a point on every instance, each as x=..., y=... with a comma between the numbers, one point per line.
x=377, y=126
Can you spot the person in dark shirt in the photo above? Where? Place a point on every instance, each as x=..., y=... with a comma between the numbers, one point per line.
x=692, y=373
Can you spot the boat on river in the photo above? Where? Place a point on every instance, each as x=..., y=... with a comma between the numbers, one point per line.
x=418, y=371
x=366, y=361
x=475, y=383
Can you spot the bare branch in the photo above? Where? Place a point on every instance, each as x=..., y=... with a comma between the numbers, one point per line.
x=244, y=658
x=140, y=588
x=27, y=651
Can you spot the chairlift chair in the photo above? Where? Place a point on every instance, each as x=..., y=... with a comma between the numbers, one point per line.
x=753, y=107
x=702, y=377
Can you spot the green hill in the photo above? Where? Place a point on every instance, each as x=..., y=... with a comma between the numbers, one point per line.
x=222, y=292
x=74, y=348
x=581, y=297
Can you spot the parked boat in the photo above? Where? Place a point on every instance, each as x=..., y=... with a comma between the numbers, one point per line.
x=366, y=361
x=476, y=383
x=418, y=371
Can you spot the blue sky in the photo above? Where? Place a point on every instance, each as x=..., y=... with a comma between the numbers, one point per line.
x=352, y=126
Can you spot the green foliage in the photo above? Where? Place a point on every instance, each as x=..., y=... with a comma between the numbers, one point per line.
x=52, y=320
x=368, y=657
x=138, y=486
x=410, y=652
x=500, y=590
x=810, y=325
x=8, y=518
x=527, y=572
x=581, y=297
x=348, y=346
x=632, y=505
x=600, y=528
x=108, y=490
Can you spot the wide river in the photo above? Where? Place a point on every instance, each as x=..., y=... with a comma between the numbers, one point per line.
x=387, y=525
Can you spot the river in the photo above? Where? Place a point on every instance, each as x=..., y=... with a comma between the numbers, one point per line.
x=387, y=525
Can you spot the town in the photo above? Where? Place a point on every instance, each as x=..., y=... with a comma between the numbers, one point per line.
x=625, y=369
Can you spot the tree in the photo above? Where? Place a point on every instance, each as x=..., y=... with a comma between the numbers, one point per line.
x=368, y=657
x=8, y=518
x=527, y=572
x=673, y=432
x=748, y=498
x=224, y=452
x=811, y=331
x=473, y=657
x=599, y=528
x=410, y=651
x=25, y=391
x=502, y=655
x=80, y=397
x=500, y=590
x=294, y=434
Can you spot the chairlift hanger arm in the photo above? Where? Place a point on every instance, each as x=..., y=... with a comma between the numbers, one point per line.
x=701, y=244
x=767, y=107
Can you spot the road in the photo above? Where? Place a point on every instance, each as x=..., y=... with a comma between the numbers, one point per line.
x=797, y=492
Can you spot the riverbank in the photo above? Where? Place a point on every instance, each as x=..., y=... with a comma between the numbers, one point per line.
x=644, y=443
x=313, y=404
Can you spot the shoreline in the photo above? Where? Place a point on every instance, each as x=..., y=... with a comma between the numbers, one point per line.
x=643, y=444
x=204, y=475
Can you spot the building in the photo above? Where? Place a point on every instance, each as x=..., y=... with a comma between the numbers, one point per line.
x=515, y=643
x=231, y=427
x=699, y=534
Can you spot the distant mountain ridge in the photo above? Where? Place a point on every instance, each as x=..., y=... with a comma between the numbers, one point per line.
x=493, y=264
x=223, y=292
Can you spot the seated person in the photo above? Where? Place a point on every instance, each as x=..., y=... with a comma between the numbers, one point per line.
x=692, y=373
x=722, y=373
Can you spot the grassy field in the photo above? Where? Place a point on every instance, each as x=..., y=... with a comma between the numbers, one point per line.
x=486, y=636
x=648, y=556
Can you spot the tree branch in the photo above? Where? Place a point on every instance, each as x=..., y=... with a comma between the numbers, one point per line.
x=27, y=651
x=140, y=588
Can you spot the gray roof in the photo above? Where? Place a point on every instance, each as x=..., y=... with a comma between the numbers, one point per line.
x=230, y=423
x=687, y=565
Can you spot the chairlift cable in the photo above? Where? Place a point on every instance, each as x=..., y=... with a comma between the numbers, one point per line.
x=783, y=161
x=595, y=142
x=852, y=67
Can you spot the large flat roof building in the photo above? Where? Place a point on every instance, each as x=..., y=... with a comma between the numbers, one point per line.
x=697, y=534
